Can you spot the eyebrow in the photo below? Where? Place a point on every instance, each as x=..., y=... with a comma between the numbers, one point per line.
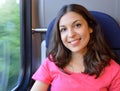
x=76, y=21
x=72, y=23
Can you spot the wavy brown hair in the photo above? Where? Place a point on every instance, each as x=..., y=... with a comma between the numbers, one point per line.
x=98, y=55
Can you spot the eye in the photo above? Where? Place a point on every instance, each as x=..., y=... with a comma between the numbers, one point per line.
x=63, y=29
x=77, y=25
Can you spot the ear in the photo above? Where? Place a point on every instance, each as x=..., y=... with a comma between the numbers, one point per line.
x=90, y=30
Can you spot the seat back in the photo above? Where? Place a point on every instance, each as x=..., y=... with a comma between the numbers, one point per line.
x=111, y=31
x=110, y=28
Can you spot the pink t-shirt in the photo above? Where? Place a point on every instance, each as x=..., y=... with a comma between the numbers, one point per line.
x=49, y=73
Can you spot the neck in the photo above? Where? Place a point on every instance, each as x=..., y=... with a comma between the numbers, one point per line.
x=78, y=56
x=76, y=64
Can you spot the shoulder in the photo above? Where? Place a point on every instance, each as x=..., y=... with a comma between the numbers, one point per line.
x=45, y=72
x=114, y=65
x=111, y=72
x=113, y=68
x=44, y=67
x=114, y=75
x=49, y=65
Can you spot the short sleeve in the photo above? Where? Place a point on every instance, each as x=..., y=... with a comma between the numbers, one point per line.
x=43, y=72
x=115, y=84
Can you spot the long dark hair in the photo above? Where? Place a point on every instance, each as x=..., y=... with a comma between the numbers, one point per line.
x=98, y=55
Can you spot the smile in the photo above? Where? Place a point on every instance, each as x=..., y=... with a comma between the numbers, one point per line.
x=74, y=42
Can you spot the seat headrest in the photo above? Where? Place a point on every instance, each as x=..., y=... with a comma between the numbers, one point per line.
x=110, y=27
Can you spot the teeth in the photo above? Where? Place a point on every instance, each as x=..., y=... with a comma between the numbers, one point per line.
x=74, y=40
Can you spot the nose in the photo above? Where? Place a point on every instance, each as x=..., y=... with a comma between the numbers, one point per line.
x=71, y=33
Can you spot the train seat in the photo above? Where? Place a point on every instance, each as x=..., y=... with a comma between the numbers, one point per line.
x=110, y=28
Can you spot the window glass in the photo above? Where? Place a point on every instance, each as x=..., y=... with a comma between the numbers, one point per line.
x=9, y=43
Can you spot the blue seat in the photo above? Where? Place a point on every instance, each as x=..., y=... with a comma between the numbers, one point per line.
x=111, y=31
x=110, y=28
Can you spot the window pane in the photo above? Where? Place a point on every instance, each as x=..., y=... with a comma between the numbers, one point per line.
x=9, y=43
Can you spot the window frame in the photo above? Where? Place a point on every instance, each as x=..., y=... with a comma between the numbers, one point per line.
x=25, y=45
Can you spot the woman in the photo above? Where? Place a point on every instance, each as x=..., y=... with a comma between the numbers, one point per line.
x=76, y=61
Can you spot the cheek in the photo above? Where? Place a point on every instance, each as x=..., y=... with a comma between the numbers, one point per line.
x=85, y=36
x=63, y=38
x=85, y=32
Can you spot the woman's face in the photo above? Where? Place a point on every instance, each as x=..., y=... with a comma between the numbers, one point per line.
x=75, y=32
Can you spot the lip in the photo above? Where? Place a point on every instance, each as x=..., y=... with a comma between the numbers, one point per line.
x=75, y=42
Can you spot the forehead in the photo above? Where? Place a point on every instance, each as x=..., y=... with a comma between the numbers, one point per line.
x=70, y=17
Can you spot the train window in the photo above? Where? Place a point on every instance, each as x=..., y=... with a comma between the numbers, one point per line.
x=15, y=45
x=9, y=43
